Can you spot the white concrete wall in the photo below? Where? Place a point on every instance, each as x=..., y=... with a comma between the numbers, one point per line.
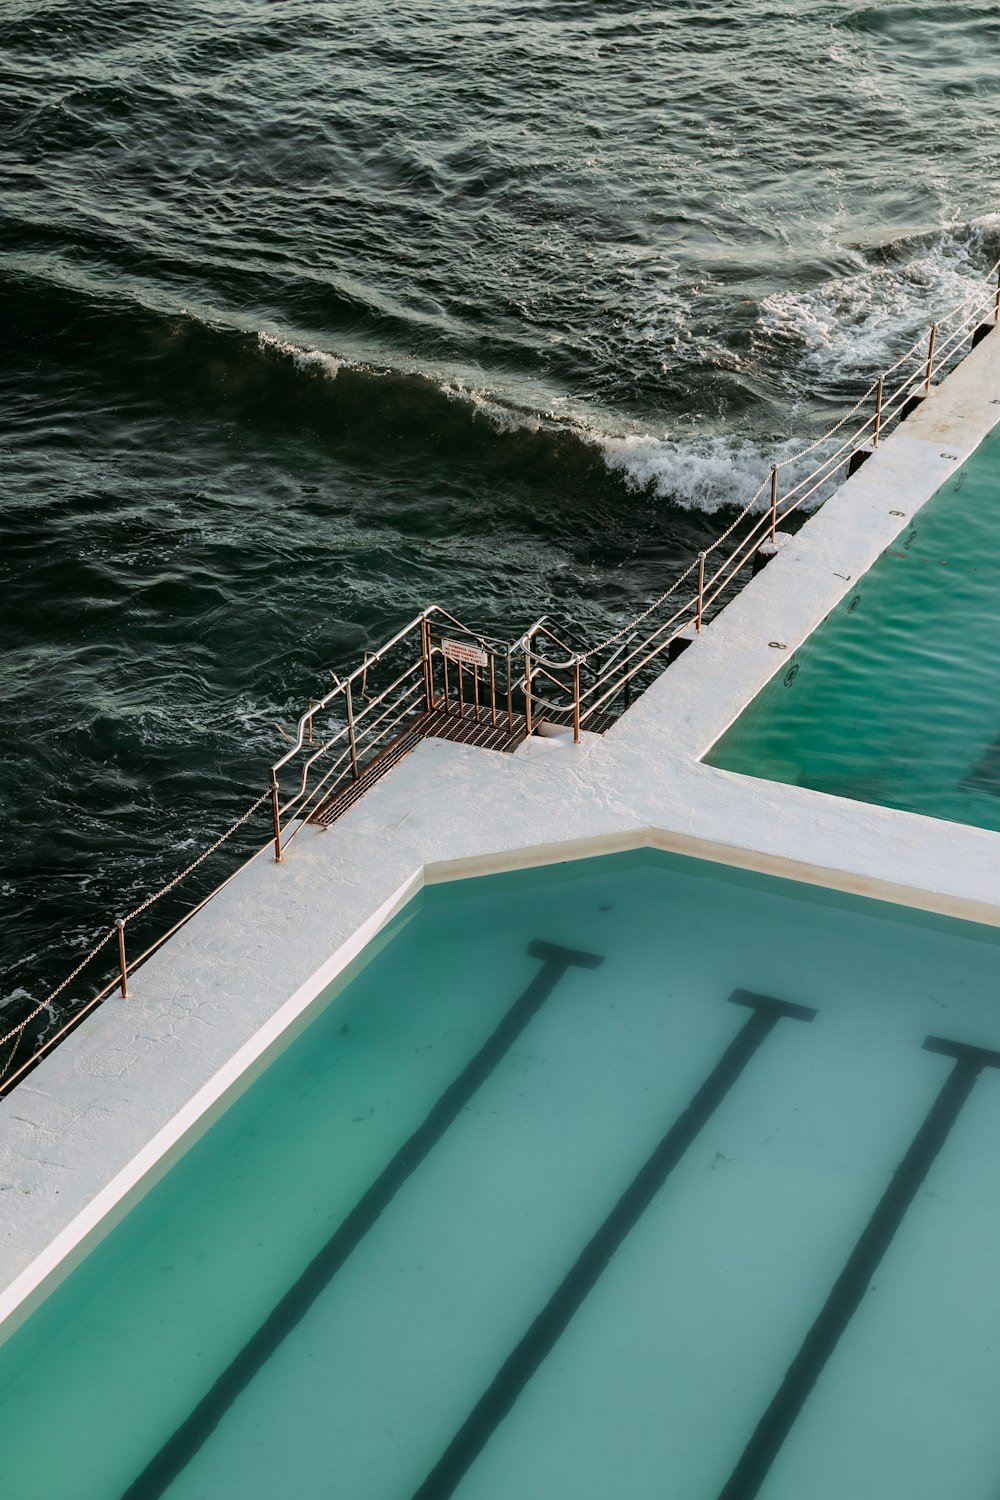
x=115, y=1103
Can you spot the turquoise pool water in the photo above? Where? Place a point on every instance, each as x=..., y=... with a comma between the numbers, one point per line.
x=895, y=699
x=705, y=1219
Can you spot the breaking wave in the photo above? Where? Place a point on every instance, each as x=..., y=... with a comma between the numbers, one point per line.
x=707, y=474
x=855, y=325
x=303, y=359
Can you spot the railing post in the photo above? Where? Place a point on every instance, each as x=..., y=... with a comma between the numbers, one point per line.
x=475, y=688
x=444, y=668
x=348, y=699
x=425, y=652
x=774, y=498
x=701, y=590
x=930, y=359
x=878, y=410
x=527, y=688
x=493, y=689
x=510, y=697
x=576, y=702
x=276, y=816
x=122, y=965
x=461, y=693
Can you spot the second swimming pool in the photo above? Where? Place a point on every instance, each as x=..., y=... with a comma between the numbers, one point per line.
x=633, y=1178
x=895, y=699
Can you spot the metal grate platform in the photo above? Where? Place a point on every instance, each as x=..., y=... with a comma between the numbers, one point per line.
x=465, y=728
x=346, y=796
x=468, y=729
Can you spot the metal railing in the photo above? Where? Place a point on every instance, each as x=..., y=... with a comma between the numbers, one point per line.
x=435, y=665
x=437, y=672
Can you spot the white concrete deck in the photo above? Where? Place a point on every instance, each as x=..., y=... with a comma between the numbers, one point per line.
x=116, y=1102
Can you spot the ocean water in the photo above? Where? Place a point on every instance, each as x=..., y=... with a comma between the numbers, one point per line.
x=321, y=1293
x=895, y=699
x=315, y=312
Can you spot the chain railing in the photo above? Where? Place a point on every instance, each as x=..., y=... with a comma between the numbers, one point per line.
x=436, y=672
x=21, y=1047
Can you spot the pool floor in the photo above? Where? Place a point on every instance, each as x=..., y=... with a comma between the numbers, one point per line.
x=634, y=1178
x=895, y=699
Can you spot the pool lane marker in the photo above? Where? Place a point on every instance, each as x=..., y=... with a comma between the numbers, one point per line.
x=193, y=1432
x=550, y=1324
x=853, y=1282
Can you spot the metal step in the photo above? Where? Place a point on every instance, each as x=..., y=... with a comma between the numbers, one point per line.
x=345, y=796
x=468, y=729
x=464, y=728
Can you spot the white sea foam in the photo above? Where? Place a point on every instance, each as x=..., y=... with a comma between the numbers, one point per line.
x=857, y=325
x=707, y=474
x=713, y=473
x=303, y=359
x=501, y=418
x=19, y=995
x=849, y=330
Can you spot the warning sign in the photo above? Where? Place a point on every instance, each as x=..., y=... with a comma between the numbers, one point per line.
x=469, y=656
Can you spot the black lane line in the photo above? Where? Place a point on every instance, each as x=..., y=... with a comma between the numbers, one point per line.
x=552, y=1321
x=984, y=776
x=853, y=1281
x=184, y=1443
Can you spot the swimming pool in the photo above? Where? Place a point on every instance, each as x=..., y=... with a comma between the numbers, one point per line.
x=637, y=1176
x=895, y=699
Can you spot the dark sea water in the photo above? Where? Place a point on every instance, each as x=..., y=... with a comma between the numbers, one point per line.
x=314, y=313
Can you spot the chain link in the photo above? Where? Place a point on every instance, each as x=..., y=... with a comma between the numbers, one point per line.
x=44, y=1004
x=200, y=860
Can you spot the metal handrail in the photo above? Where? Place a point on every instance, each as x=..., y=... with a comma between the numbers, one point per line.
x=370, y=705
x=351, y=678
x=361, y=733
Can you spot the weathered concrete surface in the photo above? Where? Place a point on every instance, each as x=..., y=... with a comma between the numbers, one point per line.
x=114, y=1104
